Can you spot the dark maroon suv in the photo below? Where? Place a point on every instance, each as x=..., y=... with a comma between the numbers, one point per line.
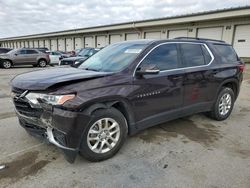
x=125, y=88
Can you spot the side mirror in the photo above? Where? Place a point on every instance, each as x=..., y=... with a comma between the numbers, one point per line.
x=16, y=54
x=147, y=69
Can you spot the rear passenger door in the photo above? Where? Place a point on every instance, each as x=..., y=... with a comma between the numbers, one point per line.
x=198, y=83
x=31, y=57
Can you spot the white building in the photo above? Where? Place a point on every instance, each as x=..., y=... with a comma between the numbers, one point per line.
x=231, y=25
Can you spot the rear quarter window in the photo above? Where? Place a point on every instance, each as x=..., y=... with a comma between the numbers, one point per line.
x=226, y=52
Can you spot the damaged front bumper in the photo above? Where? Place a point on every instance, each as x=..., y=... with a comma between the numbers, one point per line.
x=60, y=127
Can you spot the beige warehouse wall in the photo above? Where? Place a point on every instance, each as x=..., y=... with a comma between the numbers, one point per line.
x=192, y=28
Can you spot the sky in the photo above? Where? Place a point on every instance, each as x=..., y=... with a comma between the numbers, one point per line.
x=24, y=17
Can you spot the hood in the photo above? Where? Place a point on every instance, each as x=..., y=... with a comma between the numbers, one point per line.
x=3, y=55
x=74, y=58
x=43, y=79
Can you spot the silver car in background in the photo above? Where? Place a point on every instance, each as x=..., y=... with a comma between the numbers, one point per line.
x=24, y=56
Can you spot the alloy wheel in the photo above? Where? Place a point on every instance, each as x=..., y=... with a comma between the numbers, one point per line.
x=225, y=104
x=6, y=64
x=42, y=63
x=103, y=135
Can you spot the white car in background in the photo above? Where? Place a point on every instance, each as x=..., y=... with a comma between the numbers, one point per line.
x=56, y=57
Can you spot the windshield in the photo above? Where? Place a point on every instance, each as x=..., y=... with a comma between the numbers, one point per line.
x=83, y=52
x=113, y=58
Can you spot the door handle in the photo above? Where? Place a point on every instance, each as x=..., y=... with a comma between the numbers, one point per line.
x=177, y=77
x=215, y=71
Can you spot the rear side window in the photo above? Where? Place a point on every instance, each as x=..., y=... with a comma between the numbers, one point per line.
x=194, y=55
x=227, y=52
x=164, y=57
x=31, y=52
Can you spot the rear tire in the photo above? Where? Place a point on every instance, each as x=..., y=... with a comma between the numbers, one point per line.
x=224, y=104
x=42, y=63
x=100, y=141
x=6, y=64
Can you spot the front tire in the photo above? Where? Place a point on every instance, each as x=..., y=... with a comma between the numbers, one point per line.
x=6, y=64
x=223, y=105
x=104, y=135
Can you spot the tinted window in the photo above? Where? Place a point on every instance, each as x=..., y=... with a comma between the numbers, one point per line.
x=192, y=55
x=227, y=52
x=164, y=57
x=22, y=52
x=206, y=54
x=31, y=52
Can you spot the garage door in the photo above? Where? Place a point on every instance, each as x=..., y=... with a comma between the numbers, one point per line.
x=36, y=44
x=69, y=44
x=31, y=45
x=41, y=43
x=47, y=44
x=210, y=33
x=88, y=42
x=61, y=45
x=23, y=44
x=242, y=40
x=152, y=35
x=132, y=36
x=100, y=41
x=18, y=45
x=53, y=44
x=26, y=44
x=114, y=38
x=177, y=33
x=78, y=43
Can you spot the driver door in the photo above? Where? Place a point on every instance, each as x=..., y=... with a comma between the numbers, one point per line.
x=159, y=94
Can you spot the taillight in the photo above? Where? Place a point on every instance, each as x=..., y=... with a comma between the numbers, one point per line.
x=241, y=67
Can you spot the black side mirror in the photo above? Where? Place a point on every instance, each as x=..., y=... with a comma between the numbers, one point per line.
x=16, y=54
x=147, y=69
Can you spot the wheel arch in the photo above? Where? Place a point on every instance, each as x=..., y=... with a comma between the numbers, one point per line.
x=231, y=83
x=40, y=59
x=120, y=104
x=8, y=60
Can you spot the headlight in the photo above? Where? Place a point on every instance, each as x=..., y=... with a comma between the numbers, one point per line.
x=77, y=62
x=51, y=99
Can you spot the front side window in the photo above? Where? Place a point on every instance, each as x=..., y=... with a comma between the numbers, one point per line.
x=22, y=52
x=192, y=55
x=164, y=57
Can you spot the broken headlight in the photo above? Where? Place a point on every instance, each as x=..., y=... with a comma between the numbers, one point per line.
x=50, y=99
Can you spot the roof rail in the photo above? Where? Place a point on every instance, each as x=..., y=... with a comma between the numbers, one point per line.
x=195, y=38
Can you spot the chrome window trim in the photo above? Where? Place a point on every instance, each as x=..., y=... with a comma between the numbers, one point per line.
x=209, y=51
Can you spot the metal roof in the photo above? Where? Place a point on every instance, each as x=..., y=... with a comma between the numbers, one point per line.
x=141, y=23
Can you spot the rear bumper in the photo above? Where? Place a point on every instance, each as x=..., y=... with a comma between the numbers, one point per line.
x=62, y=128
